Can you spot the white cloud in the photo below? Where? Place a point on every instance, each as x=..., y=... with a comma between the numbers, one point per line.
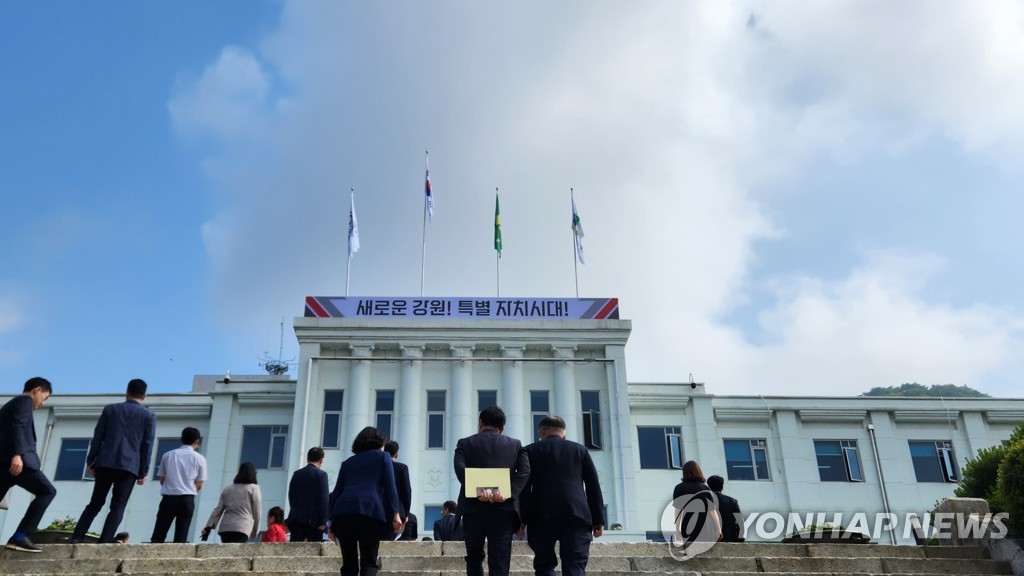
x=225, y=100
x=671, y=121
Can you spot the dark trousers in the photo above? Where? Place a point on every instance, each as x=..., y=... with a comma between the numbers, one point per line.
x=573, y=536
x=233, y=537
x=122, y=483
x=305, y=533
x=177, y=509
x=35, y=482
x=359, y=539
x=496, y=528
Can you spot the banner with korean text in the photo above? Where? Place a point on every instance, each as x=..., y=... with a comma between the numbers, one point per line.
x=502, y=308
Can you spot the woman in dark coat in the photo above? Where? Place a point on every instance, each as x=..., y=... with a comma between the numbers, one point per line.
x=362, y=499
x=694, y=483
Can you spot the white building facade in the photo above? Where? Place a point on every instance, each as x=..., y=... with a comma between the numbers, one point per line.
x=423, y=380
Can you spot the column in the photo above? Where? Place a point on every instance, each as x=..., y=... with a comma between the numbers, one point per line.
x=357, y=396
x=463, y=418
x=512, y=394
x=565, y=404
x=412, y=429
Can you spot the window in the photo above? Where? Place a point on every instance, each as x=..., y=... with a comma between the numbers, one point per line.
x=333, y=401
x=837, y=461
x=264, y=446
x=933, y=461
x=385, y=411
x=435, y=419
x=540, y=405
x=485, y=398
x=163, y=446
x=660, y=448
x=71, y=461
x=746, y=459
x=591, y=404
x=431, y=514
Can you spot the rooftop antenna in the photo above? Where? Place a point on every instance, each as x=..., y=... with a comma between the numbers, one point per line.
x=276, y=366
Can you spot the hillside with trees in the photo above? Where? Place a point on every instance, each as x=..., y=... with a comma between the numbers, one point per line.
x=933, y=391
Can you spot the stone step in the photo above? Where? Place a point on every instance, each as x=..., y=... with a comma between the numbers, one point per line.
x=443, y=566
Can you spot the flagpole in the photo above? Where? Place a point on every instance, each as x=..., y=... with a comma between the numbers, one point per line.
x=575, y=267
x=348, y=266
x=423, y=256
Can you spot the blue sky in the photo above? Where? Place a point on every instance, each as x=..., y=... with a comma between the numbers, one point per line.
x=786, y=199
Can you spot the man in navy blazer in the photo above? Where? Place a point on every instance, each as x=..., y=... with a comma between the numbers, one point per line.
x=19, y=463
x=118, y=458
x=491, y=517
x=307, y=500
x=402, y=483
x=561, y=502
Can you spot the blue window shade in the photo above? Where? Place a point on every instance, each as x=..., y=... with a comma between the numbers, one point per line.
x=485, y=398
x=333, y=405
x=384, y=425
x=332, y=430
x=435, y=401
x=831, y=465
x=435, y=431
x=933, y=461
x=163, y=446
x=653, y=455
x=738, y=463
x=333, y=400
x=539, y=401
x=431, y=514
x=590, y=400
x=256, y=446
x=385, y=400
x=264, y=446
x=71, y=461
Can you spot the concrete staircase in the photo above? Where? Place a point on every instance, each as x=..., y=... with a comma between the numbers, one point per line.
x=446, y=559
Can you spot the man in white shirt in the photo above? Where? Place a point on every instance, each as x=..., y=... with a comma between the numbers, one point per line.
x=182, y=473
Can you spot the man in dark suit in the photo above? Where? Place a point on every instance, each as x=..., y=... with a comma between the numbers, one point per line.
x=448, y=527
x=402, y=483
x=307, y=500
x=491, y=516
x=19, y=463
x=562, y=501
x=729, y=510
x=118, y=458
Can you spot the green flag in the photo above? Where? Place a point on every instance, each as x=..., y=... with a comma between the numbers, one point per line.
x=497, y=225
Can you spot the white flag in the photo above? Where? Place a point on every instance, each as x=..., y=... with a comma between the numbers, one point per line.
x=353, y=227
x=577, y=231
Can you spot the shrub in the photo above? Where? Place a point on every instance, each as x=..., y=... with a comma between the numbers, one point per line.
x=66, y=524
x=980, y=475
x=1011, y=485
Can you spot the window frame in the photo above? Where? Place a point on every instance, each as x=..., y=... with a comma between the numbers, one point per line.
x=389, y=414
x=670, y=437
x=755, y=446
x=849, y=452
x=339, y=414
x=436, y=416
x=945, y=460
x=591, y=420
x=277, y=432
x=61, y=454
x=538, y=414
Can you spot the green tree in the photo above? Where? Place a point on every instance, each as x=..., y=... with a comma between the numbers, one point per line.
x=920, y=390
x=980, y=476
x=1011, y=485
